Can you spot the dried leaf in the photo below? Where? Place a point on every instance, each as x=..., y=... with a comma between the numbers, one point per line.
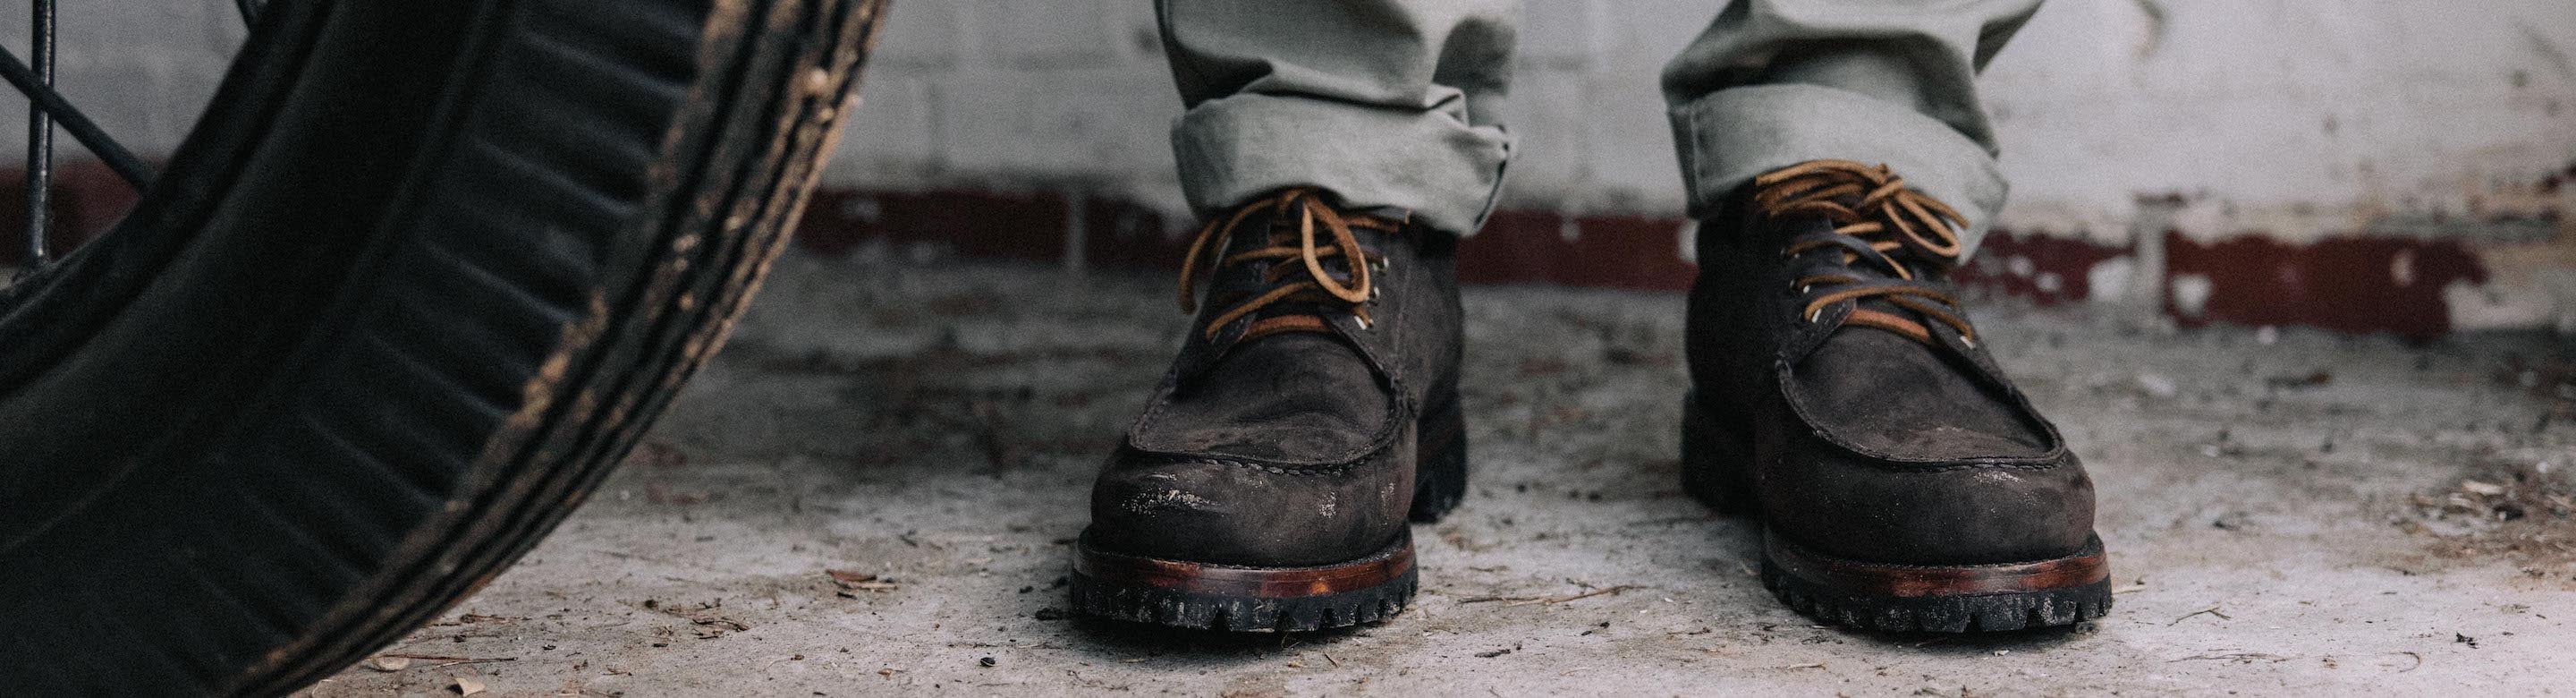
x=466, y=686
x=389, y=663
x=2481, y=487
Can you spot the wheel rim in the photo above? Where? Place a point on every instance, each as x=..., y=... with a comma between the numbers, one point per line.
x=49, y=111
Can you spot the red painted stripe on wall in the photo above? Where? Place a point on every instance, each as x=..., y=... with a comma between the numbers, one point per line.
x=2354, y=284
x=2349, y=284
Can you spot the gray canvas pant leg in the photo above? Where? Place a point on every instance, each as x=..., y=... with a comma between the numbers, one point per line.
x=1387, y=103
x=1773, y=83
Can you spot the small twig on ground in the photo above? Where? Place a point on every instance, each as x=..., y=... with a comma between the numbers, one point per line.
x=849, y=581
x=440, y=658
x=1815, y=665
x=714, y=621
x=1012, y=645
x=2213, y=610
x=1595, y=592
x=1329, y=658
x=2239, y=656
x=1584, y=595
x=1672, y=520
x=2419, y=661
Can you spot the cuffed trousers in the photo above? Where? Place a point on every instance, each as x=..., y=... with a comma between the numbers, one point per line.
x=1393, y=103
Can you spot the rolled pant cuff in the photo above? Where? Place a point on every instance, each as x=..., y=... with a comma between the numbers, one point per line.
x=1733, y=135
x=1443, y=170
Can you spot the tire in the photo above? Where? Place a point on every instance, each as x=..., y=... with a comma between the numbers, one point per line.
x=419, y=277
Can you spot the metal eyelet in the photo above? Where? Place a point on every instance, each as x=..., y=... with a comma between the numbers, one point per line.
x=1811, y=315
x=1365, y=325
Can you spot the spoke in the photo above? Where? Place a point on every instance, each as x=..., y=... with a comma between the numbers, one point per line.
x=71, y=119
x=40, y=138
x=249, y=10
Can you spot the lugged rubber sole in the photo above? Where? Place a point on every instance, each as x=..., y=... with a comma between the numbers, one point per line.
x=1717, y=458
x=1947, y=599
x=1233, y=598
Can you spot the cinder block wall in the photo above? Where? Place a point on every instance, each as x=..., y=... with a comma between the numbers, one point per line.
x=2250, y=160
x=2397, y=165
x=2394, y=165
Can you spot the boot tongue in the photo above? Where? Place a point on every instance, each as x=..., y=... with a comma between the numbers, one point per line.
x=1288, y=398
x=1885, y=392
x=1882, y=382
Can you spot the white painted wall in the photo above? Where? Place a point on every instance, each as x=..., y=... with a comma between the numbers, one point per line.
x=2274, y=106
x=2297, y=113
x=2286, y=118
x=2292, y=119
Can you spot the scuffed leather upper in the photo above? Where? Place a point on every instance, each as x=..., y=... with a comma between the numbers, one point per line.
x=1293, y=449
x=1870, y=445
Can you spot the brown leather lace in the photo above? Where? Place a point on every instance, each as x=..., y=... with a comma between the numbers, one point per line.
x=1872, y=206
x=1317, y=284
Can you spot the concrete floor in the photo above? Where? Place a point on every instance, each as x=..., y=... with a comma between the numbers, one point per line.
x=2288, y=512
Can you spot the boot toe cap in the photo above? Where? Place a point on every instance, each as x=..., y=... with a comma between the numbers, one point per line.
x=1956, y=514
x=1237, y=513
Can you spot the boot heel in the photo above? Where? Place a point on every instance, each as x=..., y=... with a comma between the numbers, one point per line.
x=1717, y=459
x=1440, y=459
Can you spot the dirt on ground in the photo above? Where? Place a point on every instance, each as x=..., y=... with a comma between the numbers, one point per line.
x=873, y=491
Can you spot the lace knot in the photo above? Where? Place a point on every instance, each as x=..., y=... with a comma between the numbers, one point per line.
x=1307, y=280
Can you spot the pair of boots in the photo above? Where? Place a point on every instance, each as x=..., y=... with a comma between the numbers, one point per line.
x=1839, y=397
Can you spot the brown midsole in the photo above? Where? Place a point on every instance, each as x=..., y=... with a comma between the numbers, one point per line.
x=1248, y=582
x=2086, y=567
